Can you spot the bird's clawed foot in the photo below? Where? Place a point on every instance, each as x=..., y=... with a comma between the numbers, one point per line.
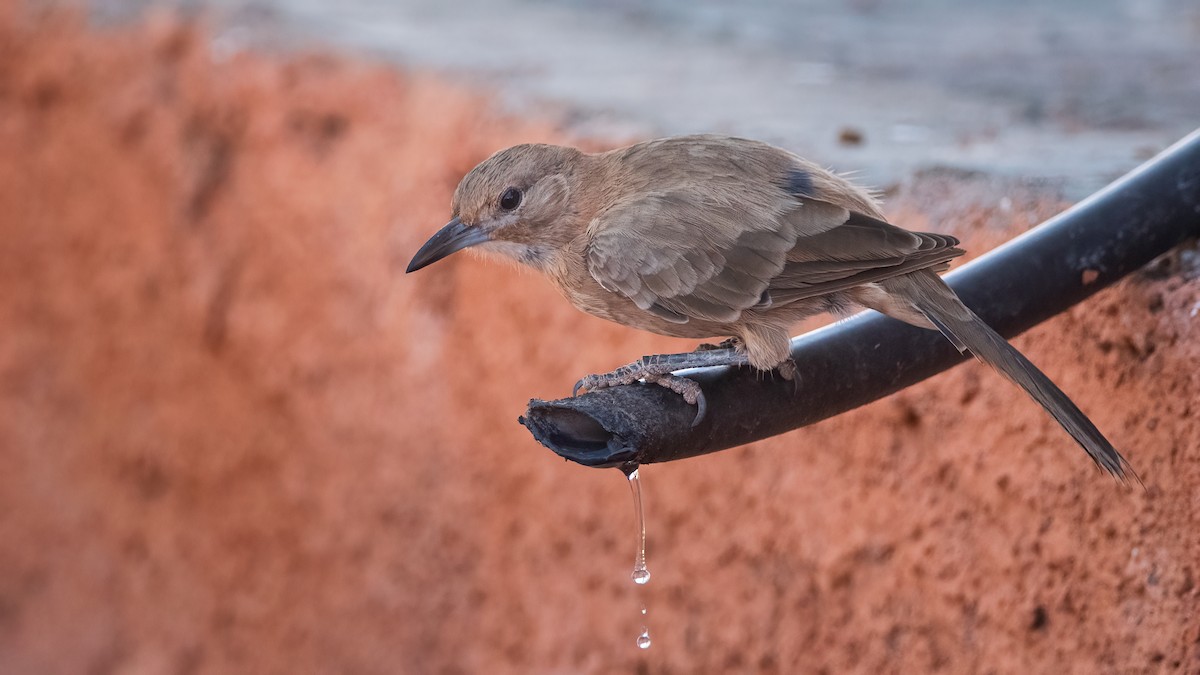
x=658, y=369
x=790, y=372
x=734, y=343
x=690, y=391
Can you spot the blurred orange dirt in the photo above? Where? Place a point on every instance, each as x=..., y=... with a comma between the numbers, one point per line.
x=235, y=437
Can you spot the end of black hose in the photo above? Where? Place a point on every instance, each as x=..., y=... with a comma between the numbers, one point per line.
x=574, y=434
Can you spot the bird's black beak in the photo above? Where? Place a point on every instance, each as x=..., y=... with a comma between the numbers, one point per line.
x=455, y=236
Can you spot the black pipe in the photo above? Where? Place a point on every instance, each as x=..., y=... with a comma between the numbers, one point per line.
x=1028, y=280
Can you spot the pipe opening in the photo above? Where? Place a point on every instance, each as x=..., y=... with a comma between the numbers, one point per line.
x=575, y=435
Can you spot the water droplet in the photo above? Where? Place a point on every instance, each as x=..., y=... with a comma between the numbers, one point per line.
x=640, y=575
x=644, y=639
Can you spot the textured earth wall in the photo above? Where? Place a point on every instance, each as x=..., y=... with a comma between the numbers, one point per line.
x=235, y=437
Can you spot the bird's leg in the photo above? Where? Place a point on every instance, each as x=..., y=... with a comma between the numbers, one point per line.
x=658, y=369
x=731, y=343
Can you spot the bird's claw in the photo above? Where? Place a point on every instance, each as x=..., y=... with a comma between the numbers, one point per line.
x=581, y=384
x=690, y=391
x=653, y=373
x=790, y=372
x=730, y=343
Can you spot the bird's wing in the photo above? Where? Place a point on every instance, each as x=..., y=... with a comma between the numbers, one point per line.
x=701, y=254
x=861, y=250
x=681, y=257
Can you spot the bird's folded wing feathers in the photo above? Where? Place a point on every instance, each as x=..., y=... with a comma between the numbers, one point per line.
x=862, y=250
x=686, y=256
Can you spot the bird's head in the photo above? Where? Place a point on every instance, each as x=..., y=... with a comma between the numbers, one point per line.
x=515, y=203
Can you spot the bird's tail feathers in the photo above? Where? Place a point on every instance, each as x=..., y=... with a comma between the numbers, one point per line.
x=937, y=302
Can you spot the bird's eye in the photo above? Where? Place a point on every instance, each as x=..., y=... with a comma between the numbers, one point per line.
x=511, y=199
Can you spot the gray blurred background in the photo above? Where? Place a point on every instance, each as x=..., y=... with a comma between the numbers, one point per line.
x=1073, y=92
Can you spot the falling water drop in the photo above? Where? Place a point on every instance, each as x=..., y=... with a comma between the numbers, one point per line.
x=641, y=575
x=643, y=640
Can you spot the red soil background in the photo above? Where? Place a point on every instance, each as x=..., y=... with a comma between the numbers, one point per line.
x=235, y=437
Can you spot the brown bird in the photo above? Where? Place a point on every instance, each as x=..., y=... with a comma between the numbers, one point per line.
x=703, y=236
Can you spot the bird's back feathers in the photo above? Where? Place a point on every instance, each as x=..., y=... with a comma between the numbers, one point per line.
x=727, y=225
